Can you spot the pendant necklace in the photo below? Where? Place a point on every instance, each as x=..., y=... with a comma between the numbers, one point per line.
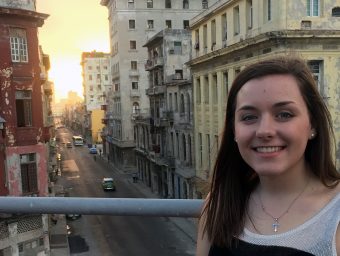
x=276, y=223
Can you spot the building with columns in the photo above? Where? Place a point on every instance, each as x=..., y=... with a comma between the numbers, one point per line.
x=234, y=33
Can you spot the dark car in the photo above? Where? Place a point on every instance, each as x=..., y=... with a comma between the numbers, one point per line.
x=108, y=184
x=68, y=144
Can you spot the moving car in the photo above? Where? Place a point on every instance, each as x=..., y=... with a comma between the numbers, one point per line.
x=108, y=184
x=93, y=150
x=68, y=144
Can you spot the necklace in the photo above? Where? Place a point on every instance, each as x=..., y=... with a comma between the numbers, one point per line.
x=276, y=223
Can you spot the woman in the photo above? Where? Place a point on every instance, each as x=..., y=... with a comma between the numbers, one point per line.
x=275, y=188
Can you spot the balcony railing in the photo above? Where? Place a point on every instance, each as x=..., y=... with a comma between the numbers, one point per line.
x=103, y=206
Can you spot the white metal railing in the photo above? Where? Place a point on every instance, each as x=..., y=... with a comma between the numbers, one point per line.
x=103, y=206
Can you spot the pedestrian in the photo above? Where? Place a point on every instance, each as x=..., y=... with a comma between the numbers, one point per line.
x=100, y=152
x=275, y=189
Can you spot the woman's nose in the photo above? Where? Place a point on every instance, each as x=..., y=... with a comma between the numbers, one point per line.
x=266, y=127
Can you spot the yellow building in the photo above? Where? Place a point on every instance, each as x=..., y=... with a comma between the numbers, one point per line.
x=233, y=33
x=97, y=116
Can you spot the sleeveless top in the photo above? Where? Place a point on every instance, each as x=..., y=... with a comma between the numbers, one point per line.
x=315, y=237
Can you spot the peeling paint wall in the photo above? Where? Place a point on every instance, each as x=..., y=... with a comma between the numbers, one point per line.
x=19, y=4
x=14, y=170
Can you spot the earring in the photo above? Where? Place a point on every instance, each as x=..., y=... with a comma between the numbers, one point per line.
x=235, y=140
x=312, y=135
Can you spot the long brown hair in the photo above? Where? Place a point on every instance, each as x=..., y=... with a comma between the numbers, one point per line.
x=233, y=180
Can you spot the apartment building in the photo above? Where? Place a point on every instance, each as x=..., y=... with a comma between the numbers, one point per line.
x=24, y=131
x=234, y=33
x=164, y=141
x=132, y=23
x=97, y=83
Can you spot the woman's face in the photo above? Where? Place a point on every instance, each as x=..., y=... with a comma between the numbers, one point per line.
x=272, y=125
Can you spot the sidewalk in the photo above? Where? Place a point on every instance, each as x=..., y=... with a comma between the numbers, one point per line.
x=187, y=225
x=58, y=232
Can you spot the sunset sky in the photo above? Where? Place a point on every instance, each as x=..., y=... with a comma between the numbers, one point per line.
x=74, y=26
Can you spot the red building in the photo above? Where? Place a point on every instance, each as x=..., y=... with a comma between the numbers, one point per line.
x=23, y=159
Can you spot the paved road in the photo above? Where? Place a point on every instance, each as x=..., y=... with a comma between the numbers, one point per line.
x=112, y=235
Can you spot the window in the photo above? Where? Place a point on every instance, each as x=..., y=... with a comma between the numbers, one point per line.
x=167, y=4
x=214, y=90
x=149, y=4
x=150, y=24
x=170, y=101
x=176, y=102
x=134, y=85
x=181, y=105
x=177, y=47
x=249, y=14
x=23, y=102
x=224, y=28
x=18, y=43
x=131, y=3
x=89, y=67
x=28, y=167
x=236, y=20
x=200, y=147
x=90, y=77
x=206, y=90
x=168, y=23
x=98, y=76
x=106, y=77
x=313, y=7
x=213, y=35
x=267, y=10
x=132, y=45
x=135, y=108
x=185, y=4
x=336, y=12
x=198, y=91
x=205, y=4
x=185, y=24
x=134, y=65
x=316, y=66
x=132, y=24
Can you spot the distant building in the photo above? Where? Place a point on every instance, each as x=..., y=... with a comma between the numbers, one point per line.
x=232, y=34
x=97, y=83
x=25, y=136
x=132, y=24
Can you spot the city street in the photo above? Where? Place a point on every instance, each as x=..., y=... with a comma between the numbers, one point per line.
x=112, y=235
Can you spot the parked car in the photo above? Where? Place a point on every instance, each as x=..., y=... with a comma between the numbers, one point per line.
x=93, y=150
x=68, y=144
x=108, y=184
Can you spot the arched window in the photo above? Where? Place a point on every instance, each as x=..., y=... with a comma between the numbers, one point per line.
x=135, y=108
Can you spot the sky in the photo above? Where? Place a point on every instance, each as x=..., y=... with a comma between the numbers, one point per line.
x=73, y=27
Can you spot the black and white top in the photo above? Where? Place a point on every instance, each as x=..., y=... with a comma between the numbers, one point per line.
x=315, y=237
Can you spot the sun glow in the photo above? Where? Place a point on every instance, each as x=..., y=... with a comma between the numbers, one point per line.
x=67, y=33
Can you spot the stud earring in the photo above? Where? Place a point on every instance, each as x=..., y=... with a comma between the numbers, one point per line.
x=235, y=140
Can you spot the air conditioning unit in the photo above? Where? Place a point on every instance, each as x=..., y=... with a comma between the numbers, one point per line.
x=131, y=1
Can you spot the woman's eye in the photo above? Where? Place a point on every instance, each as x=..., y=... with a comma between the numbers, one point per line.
x=248, y=117
x=284, y=115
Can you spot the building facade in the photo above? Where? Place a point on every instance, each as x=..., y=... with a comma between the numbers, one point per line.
x=164, y=137
x=97, y=83
x=234, y=33
x=132, y=24
x=26, y=133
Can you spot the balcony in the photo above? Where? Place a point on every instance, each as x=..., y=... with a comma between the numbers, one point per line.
x=148, y=65
x=134, y=93
x=133, y=72
x=159, y=89
x=159, y=61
